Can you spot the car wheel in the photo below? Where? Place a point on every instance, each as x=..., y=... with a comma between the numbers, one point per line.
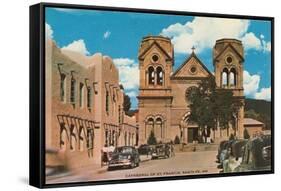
x=133, y=164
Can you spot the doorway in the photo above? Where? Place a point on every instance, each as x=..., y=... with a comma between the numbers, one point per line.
x=192, y=135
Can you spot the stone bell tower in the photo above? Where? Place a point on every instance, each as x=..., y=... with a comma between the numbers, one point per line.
x=155, y=97
x=228, y=60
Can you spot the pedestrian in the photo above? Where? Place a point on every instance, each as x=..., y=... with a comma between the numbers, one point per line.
x=172, y=150
x=105, y=158
x=111, y=149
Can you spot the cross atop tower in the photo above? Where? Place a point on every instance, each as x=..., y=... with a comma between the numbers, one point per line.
x=193, y=48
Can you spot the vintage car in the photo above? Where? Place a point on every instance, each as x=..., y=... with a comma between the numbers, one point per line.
x=145, y=149
x=256, y=155
x=221, y=147
x=125, y=156
x=225, y=152
x=235, y=157
x=161, y=151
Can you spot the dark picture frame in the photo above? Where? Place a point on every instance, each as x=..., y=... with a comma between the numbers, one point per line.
x=37, y=100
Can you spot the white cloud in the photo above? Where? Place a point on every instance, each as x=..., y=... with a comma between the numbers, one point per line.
x=264, y=94
x=250, y=40
x=251, y=87
x=77, y=46
x=128, y=72
x=106, y=34
x=202, y=33
x=48, y=31
x=266, y=46
x=129, y=76
x=251, y=83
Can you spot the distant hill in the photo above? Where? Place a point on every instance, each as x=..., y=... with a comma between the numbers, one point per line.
x=259, y=110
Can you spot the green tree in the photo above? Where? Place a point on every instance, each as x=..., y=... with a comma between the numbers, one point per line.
x=126, y=103
x=202, y=103
x=227, y=107
x=152, y=139
x=246, y=134
x=210, y=105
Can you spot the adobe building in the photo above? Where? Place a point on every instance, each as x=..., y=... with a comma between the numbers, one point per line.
x=84, y=108
x=163, y=107
x=253, y=127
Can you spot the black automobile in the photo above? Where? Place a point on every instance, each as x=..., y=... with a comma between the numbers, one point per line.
x=237, y=148
x=161, y=151
x=235, y=155
x=225, y=152
x=125, y=156
x=256, y=155
x=221, y=147
x=145, y=149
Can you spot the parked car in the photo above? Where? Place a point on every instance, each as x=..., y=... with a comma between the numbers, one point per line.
x=145, y=149
x=221, y=147
x=235, y=157
x=256, y=155
x=225, y=152
x=161, y=151
x=126, y=156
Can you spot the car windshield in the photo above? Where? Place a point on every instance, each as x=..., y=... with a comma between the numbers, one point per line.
x=123, y=150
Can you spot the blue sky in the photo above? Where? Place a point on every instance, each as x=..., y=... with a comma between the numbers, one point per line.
x=118, y=35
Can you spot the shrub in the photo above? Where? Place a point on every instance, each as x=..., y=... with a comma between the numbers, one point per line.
x=231, y=137
x=246, y=134
x=152, y=139
x=177, y=140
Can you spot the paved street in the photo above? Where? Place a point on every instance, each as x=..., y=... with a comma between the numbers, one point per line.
x=184, y=163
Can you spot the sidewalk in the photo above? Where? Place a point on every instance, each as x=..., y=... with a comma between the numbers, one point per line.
x=84, y=173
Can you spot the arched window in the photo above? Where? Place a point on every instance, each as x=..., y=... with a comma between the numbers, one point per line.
x=159, y=75
x=149, y=126
x=159, y=128
x=151, y=75
x=232, y=77
x=224, y=77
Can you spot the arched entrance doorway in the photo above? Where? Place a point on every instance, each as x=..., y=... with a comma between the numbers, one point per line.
x=189, y=130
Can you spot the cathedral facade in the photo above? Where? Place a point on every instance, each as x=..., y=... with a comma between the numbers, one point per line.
x=163, y=106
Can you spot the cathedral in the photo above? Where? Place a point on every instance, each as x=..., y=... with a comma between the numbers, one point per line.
x=163, y=106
